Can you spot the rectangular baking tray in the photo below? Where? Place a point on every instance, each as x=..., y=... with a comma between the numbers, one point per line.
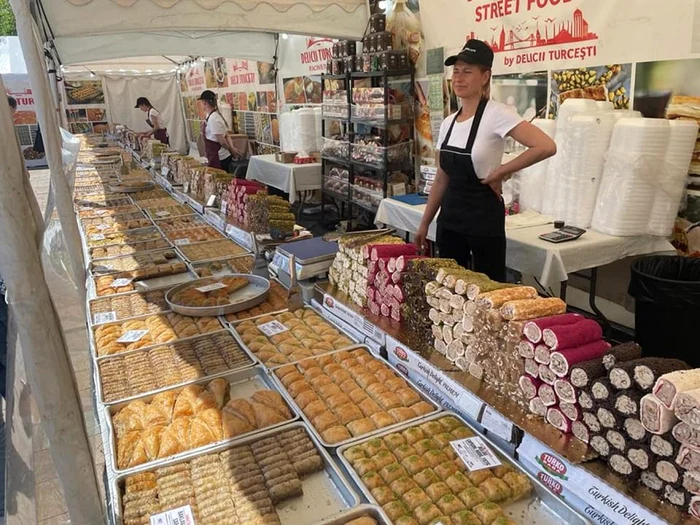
x=224, y=262
x=372, y=511
x=541, y=508
x=105, y=262
x=147, y=285
x=98, y=380
x=137, y=231
x=327, y=493
x=168, y=246
x=93, y=346
x=244, y=383
x=244, y=254
x=353, y=440
x=91, y=322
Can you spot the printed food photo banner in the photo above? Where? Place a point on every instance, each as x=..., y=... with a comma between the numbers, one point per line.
x=86, y=109
x=25, y=119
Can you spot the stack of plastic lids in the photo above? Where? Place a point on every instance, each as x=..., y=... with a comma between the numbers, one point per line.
x=286, y=131
x=586, y=139
x=552, y=187
x=532, y=179
x=632, y=172
x=604, y=105
x=318, y=116
x=305, y=130
x=626, y=113
x=667, y=197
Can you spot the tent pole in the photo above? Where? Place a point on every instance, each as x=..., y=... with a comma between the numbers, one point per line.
x=52, y=138
x=45, y=354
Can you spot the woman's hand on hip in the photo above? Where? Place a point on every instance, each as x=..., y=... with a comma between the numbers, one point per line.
x=495, y=181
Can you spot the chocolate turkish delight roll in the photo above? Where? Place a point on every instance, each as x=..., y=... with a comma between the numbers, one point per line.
x=583, y=374
x=608, y=418
x=616, y=439
x=648, y=370
x=600, y=445
x=635, y=430
x=581, y=431
x=651, y=481
x=627, y=402
x=585, y=400
x=622, y=375
x=623, y=466
x=640, y=457
x=668, y=471
x=664, y=446
x=601, y=390
x=592, y=422
x=622, y=353
x=677, y=496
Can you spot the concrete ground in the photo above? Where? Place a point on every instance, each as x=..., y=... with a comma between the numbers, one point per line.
x=33, y=491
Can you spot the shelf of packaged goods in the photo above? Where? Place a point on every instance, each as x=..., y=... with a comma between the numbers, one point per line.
x=374, y=74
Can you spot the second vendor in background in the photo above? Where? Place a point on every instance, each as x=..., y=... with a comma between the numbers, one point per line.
x=217, y=145
x=467, y=188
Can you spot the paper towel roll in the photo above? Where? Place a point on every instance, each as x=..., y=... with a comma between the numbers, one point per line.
x=632, y=171
x=532, y=179
x=305, y=130
x=667, y=198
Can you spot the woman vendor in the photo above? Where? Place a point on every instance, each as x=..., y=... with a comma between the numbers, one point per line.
x=467, y=188
x=218, y=147
x=154, y=120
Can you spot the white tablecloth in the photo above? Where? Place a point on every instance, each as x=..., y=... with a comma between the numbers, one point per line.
x=289, y=178
x=526, y=253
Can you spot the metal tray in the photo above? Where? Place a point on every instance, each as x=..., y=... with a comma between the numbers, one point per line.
x=93, y=346
x=242, y=299
x=145, y=229
x=100, y=360
x=146, y=285
x=243, y=383
x=541, y=508
x=372, y=511
x=131, y=189
x=168, y=246
x=354, y=440
x=91, y=317
x=226, y=270
x=326, y=493
x=243, y=254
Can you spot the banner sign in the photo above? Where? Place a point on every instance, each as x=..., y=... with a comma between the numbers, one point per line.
x=529, y=35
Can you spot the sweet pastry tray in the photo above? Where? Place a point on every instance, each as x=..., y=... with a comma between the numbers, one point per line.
x=218, y=267
x=336, y=446
x=100, y=361
x=145, y=285
x=243, y=384
x=541, y=507
x=328, y=496
x=363, y=510
x=247, y=297
x=132, y=188
x=93, y=320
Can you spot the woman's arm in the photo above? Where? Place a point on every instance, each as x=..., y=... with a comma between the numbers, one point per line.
x=540, y=147
x=434, y=201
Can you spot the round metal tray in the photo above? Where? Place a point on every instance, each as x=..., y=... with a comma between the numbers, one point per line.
x=243, y=299
x=131, y=189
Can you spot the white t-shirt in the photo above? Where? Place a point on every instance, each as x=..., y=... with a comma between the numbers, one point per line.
x=487, y=154
x=216, y=125
x=153, y=112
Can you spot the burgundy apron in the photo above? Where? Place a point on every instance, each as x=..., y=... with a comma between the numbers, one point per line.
x=161, y=133
x=211, y=147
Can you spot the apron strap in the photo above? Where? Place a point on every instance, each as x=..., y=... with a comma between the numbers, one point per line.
x=475, y=125
x=449, y=130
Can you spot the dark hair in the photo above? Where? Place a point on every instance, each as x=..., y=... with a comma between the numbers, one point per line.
x=12, y=102
x=142, y=101
x=209, y=97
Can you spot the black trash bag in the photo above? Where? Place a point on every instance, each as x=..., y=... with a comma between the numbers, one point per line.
x=669, y=280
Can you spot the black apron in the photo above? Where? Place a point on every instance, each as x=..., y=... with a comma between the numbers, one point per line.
x=468, y=206
x=159, y=134
x=211, y=147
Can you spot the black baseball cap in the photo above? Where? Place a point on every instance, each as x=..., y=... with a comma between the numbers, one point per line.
x=208, y=96
x=473, y=52
x=142, y=101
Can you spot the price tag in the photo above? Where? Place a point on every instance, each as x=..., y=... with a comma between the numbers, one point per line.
x=496, y=423
x=162, y=213
x=211, y=287
x=164, y=171
x=182, y=242
x=132, y=336
x=470, y=404
x=101, y=268
x=99, y=212
x=103, y=227
x=118, y=283
x=272, y=328
x=104, y=317
x=224, y=207
x=211, y=201
x=179, y=516
x=475, y=453
x=97, y=237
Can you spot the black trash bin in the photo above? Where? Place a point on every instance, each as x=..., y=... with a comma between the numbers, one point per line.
x=666, y=290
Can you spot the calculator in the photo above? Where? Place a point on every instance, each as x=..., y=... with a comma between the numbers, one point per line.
x=565, y=234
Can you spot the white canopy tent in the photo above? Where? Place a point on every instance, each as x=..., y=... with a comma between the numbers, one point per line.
x=81, y=32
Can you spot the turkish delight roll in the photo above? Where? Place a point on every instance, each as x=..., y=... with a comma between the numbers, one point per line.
x=546, y=393
x=543, y=354
x=651, y=481
x=623, y=466
x=621, y=353
x=572, y=335
x=616, y=439
x=687, y=435
x=526, y=349
x=585, y=400
x=687, y=407
x=525, y=309
x=694, y=507
x=677, y=496
x=635, y=430
x=650, y=369
x=561, y=361
x=584, y=373
x=601, y=390
x=640, y=457
x=622, y=374
x=691, y=482
x=664, y=446
x=591, y=421
x=627, y=402
x=546, y=375
x=533, y=329
x=565, y=391
x=670, y=385
x=498, y=298
x=557, y=419
x=668, y=471
x=529, y=385
x=378, y=251
x=581, y=431
x=532, y=368
x=608, y=418
x=537, y=407
x=655, y=417
x=571, y=410
x=478, y=287
x=688, y=458
x=600, y=445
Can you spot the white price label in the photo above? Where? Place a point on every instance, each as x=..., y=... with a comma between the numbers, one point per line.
x=179, y=516
x=97, y=237
x=132, y=336
x=104, y=317
x=475, y=454
x=162, y=213
x=103, y=227
x=123, y=281
x=100, y=212
x=211, y=287
x=497, y=424
x=470, y=404
x=164, y=171
x=182, y=242
x=272, y=328
x=211, y=201
x=224, y=207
